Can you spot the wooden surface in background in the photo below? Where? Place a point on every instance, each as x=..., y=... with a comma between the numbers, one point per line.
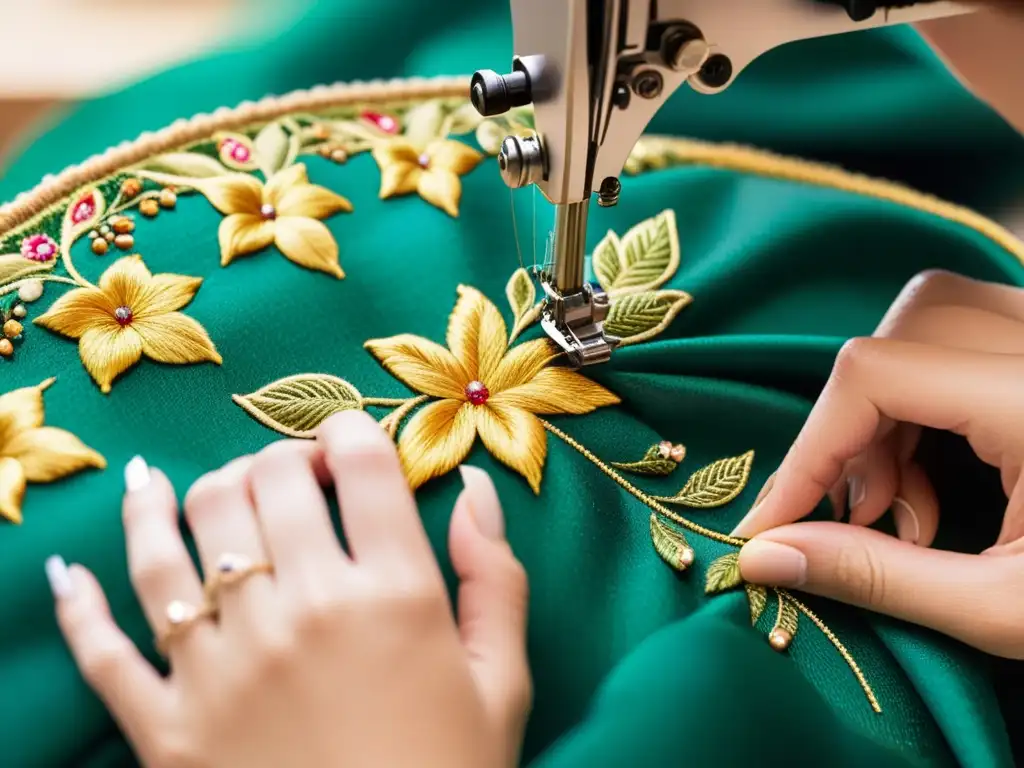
x=58, y=51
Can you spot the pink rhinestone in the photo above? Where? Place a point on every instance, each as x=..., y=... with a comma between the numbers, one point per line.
x=124, y=316
x=477, y=392
x=424, y=160
x=240, y=153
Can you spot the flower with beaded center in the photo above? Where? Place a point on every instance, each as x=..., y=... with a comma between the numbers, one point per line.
x=485, y=389
x=431, y=170
x=286, y=212
x=33, y=453
x=131, y=313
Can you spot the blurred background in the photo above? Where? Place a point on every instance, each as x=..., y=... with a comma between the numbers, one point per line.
x=54, y=53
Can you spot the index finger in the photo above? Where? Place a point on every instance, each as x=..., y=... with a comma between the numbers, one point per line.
x=875, y=384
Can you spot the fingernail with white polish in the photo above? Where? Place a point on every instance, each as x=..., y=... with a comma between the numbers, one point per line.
x=857, y=491
x=59, y=577
x=908, y=528
x=136, y=474
x=484, y=505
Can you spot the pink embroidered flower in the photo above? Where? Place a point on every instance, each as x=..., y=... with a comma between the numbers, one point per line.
x=236, y=150
x=41, y=248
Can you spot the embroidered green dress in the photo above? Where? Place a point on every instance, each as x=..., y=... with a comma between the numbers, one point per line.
x=224, y=281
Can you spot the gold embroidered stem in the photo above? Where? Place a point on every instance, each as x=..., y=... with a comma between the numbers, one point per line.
x=118, y=206
x=524, y=322
x=76, y=276
x=716, y=536
x=388, y=402
x=650, y=502
x=4, y=290
x=392, y=421
x=847, y=656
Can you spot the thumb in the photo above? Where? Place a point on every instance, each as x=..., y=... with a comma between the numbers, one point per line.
x=492, y=602
x=968, y=597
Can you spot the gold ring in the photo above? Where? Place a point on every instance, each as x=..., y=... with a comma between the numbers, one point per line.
x=233, y=569
x=181, y=616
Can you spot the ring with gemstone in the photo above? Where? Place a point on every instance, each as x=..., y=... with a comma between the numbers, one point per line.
x=181, y=616
x=232, y=569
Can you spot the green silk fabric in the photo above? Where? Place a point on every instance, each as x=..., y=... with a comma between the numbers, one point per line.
x=632, y=663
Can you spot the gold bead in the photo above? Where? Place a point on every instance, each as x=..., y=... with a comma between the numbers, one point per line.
x=6, y=348
x=109, y=237
x=149, y=207
x=124, y=242
x=19, y=311
x=131, y=187
x=321, y=131
x=665, y=449
x=123, y=225
x=677, y=453
x=339, y=156
x=779, y=639
x=168, y=198
x=13, y=329
x=99, y=246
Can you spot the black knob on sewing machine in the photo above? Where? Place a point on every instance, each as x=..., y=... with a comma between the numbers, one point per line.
x=494, y=94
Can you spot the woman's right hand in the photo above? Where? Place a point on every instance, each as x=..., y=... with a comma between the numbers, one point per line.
x=948, y=355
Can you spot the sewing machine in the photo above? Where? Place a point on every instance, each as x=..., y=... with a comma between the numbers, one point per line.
x=596, y=72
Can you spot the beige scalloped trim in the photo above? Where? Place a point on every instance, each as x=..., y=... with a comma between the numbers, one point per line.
x=54, y=189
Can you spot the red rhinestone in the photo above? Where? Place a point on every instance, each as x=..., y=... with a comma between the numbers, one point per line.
x=268, y=212
x=477, y=392
x=124, y=316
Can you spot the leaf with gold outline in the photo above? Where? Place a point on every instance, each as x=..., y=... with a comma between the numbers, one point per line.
x=788, y=617
x=14, y=266
x=423, y=122
x=644, y=259
x=652, y=464
x=521, y=293
x=83, y=213
x=275, y=149
x=639, y=317
x=297, y=405
x=757, y=596
x=190, y=164
x=723, y=574
x=716, y=484
x=671, y=545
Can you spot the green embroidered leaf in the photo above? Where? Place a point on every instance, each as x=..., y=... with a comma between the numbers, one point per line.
x=787, y=620
x=639, y=317
x=14, y=266
x=275, y=149
x=423, y=122
x=670, y=545
x=716, y=484
x=757, y=596
x=189, y=164
x=463, y=120
x=723, y=574
x=643, y=260
x=653, y=463
x=297, y=405
x=521, y=293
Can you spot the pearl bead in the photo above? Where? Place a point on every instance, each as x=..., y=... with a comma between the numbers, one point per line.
x=31, y=290
x=678, y=453
x=665, y=449
x=686, y=557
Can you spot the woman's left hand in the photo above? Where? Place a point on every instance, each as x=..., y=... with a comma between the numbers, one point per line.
x=316, y=656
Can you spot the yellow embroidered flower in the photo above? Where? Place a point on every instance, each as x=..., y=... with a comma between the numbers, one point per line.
x=431, y=170
x=32, y=453
x=131, y=313
x=486, y=389
x=285, y=212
